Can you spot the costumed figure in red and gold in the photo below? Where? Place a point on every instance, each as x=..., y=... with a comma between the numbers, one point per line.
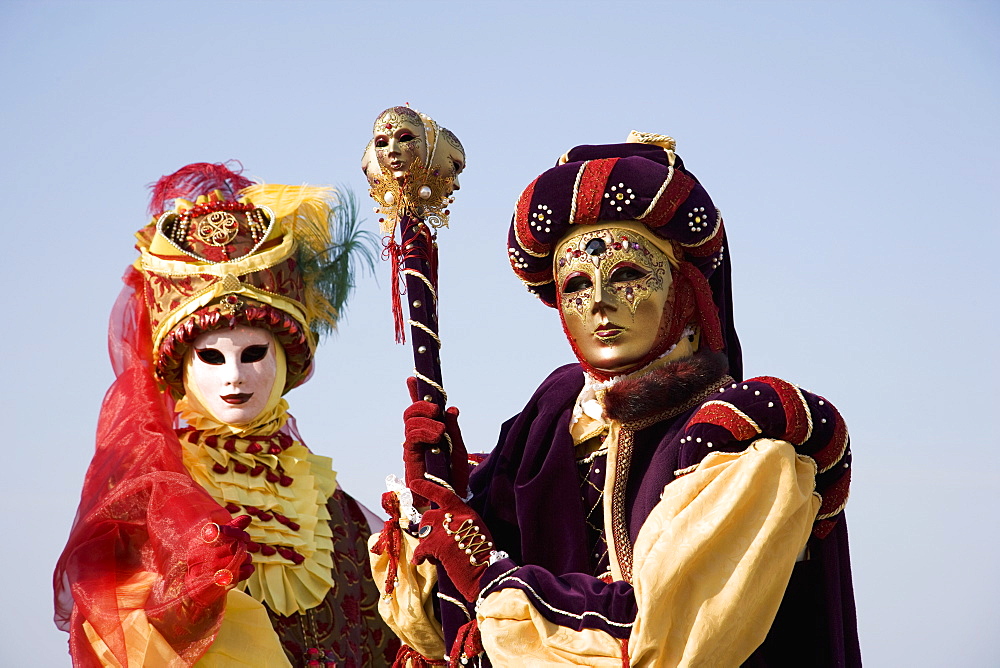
x=207, y=533
x=648, y=507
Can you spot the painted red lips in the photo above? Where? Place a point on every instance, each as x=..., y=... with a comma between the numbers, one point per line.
x=608, y=331
x=237, y=399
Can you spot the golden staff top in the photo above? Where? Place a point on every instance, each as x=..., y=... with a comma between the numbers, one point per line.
x=412, y=165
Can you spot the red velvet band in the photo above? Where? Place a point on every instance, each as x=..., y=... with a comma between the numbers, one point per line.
x=677, y=191
x=522, y=226
x=796, y=411
x=591, y=189
x=726, y=416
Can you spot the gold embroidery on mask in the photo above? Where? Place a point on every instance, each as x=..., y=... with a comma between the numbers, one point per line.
x=597, y=256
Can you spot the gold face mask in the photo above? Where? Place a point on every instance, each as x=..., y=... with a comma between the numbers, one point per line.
x=399, y=142
x=613, y=284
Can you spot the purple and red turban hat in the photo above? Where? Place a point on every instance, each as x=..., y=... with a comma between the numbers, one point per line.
x=641, y=182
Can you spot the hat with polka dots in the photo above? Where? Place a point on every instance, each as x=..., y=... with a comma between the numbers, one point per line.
x=641, y=180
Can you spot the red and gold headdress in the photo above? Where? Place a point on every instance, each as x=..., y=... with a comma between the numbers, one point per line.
x=223, y=251
x=219, y=251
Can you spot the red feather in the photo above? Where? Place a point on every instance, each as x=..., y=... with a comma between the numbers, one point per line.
x=198, y=178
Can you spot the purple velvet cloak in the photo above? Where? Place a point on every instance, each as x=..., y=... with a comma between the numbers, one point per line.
x=528, y=493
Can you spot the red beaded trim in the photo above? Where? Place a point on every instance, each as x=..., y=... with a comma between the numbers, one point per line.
x=288, y=331
x=270, y=550
x=407, y=656
x=798, y=425
x=677, y=192
x=522, y=230
x=822, y=528
x=211, y=207
x=727, y=416
x=707, y=312
x=708, y=246
x=534, y=278
x=833, y=451
x=835, y=495
x=590, y=193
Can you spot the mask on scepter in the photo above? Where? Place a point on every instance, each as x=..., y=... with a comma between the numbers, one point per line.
x=412, y=165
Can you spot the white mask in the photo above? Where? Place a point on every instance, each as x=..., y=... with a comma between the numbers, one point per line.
x=232, y=372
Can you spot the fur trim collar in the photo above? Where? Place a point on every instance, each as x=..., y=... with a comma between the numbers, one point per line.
x=665, y=390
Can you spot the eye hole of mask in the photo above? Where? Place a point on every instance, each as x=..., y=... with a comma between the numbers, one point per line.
x=627, y=272
x=253, y=354
x=211, y=356
x=577, y=282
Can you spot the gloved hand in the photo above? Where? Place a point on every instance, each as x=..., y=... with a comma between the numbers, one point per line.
x=225, y=562
x=426, y=428
x=455, y=537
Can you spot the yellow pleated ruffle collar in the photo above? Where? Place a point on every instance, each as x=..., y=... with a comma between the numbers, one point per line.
x=275, y=479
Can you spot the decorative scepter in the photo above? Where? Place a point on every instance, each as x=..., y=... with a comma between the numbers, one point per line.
x=412, y=165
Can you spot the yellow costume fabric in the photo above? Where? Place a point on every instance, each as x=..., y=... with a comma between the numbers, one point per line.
x=145, y=645
x=703, y=597
x=285, y=587
x=515, y=634
x=409, y=608
x=246, y=638
x=713, y=559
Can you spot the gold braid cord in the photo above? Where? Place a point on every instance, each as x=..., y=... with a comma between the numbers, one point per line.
x=468, y=538
x=430, y=382
x=427, y=282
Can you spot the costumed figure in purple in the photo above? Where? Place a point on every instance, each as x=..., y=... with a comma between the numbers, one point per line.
x=208, y=534
x=648, y=506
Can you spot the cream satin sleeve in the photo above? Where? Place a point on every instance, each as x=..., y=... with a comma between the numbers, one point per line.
x=409, y=608
x=712, y=561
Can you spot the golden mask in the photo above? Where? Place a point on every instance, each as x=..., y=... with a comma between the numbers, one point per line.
x=613, y=284
x=400, y=143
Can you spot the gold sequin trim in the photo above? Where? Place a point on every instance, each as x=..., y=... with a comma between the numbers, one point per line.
x=619, y=525
x=623, y=461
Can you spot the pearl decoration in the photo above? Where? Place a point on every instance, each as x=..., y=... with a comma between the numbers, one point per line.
x=424, y=192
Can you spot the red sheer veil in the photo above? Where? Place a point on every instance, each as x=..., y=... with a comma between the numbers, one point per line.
x=140, y=512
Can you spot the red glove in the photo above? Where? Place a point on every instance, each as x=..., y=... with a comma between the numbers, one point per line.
x=225, y=562
x=454, y=536
x=425, y=428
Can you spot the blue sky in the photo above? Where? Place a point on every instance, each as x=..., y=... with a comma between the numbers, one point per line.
x=852, y=148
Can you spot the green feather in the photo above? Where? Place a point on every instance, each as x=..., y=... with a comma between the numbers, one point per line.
x=331, y=271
